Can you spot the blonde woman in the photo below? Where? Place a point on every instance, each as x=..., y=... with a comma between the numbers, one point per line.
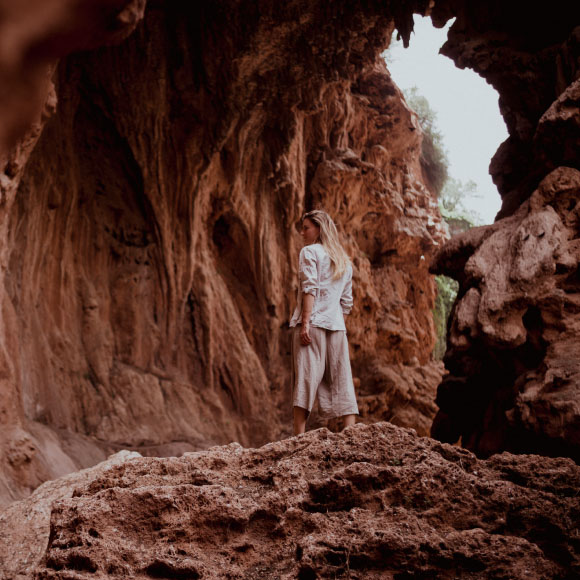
x=320, y=356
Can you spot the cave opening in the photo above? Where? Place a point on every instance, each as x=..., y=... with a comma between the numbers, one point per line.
x=460, y=117
x=241, y=125
x=462, y=129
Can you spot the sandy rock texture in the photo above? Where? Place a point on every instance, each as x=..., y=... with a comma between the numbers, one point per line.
x=25, y=525
x=150, y=235
x=372, y=502
x=33, y=34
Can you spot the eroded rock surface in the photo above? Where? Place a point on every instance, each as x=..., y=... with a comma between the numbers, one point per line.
x=148, y=225
x=150, y=243
x=514, y=378
x=515, y=371
x=372, y=502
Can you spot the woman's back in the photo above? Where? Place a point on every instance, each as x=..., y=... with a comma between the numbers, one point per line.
x=332, y=297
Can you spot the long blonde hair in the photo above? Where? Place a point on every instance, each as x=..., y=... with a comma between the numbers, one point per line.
x=328, y=237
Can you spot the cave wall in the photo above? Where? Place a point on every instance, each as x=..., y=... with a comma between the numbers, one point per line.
x=34, y=34
x=512, y=357
x=151, y=233
x=149, y=227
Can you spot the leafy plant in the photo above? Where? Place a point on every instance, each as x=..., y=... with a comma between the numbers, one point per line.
x=452, y=194
x=446, y=293
x=433, y=153
x=452, y=200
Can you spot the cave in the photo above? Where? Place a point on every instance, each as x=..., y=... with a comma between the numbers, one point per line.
x=152, y=182
x=151, y=221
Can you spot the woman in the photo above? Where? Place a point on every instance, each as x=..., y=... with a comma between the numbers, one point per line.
x=321, y=361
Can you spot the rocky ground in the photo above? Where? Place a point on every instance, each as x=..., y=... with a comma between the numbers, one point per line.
x=372, y=502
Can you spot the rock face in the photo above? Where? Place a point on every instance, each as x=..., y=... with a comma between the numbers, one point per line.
x=514, y=381
x=33, y=34
x=371, y=502
x=515, y=373
x=25, y=527
x=148, y=226
x=530, y=56
x=150, y=243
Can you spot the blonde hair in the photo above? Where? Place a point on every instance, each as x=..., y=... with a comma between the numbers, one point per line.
x=328, y=237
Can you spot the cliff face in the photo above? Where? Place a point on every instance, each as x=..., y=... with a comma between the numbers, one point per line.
x=514, y=378
x=513, y=336
x=33, y=34
x=151, y=237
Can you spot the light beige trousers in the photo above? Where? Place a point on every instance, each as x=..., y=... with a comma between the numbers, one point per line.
x=323, y=368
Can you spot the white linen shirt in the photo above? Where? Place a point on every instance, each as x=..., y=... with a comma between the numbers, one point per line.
x=332, y=298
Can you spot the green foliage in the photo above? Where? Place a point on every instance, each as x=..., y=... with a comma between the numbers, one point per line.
x=452, y=201
x=446, y=293
x=433, y=153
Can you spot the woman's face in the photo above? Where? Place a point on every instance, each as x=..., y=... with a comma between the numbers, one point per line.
x=309, y=232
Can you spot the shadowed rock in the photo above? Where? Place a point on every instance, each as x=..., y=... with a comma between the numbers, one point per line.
x=515, y=373
x=148, y=226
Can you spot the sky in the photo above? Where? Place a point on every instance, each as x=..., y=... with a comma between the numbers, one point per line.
x=467, y=109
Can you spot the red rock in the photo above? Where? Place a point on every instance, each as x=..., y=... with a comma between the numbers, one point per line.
x=515, y=373
x=513, y=366
x=372, y=502
x=150, y=236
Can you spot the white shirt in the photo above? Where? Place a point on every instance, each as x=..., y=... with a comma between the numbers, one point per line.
x=332, y=298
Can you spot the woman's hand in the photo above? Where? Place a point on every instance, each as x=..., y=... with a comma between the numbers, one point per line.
x=307, y=305
x=305, y=334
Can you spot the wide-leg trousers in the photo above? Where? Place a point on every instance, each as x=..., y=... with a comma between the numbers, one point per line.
x=322, y=369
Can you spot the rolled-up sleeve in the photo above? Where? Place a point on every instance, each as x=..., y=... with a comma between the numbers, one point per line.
x=308, y=271
x=346, y=297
